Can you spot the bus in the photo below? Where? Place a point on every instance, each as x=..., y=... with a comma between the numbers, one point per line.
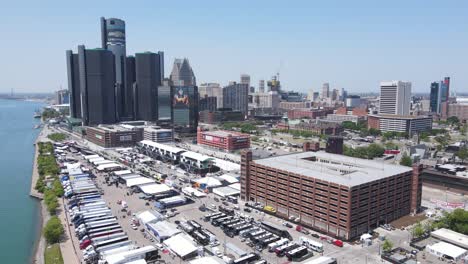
x=246, y=259
x=99, y=245
x=209, y=216
x=276, y=230
x=281, y=250
x=201, y=238
x=272, y=246
x=195, y=225
x=322, y=260
x=297, y=253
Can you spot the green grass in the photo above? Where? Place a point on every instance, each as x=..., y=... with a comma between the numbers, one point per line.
x=57, y=137
x=52, y=254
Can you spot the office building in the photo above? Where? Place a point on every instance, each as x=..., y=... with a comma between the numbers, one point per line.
x=335, y=95
x=157, y=134
x=165, y=102
x=129, y=97
x=353, y=101
x=459, y=109
x=97, y=86
x=395, y=97
x=62, y=97
x=435, y=99
x=182, y=73
x=245, y=79
x=185, y=108
x=266, y=100
x=235, y=96
x=308, y=113
x=404, y=124
x=113, y=39
x=113, y=136
x=212, y=90
x=73, y=74
x=325, y=91
x=295, y=105
x=343, y=94
x=223, y=140
x=261, y=86
x=148, y=79
x=207, y=103
x=341, y=196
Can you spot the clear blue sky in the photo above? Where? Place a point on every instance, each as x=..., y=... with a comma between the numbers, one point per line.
x=351, y=44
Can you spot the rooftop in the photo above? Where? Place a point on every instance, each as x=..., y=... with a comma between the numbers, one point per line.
x=399, y=116
x=334, y=168
x=223, y=133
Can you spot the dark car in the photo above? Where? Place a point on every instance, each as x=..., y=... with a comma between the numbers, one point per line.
x=226, y=203
x=248, y=210
x=216, y=199
x=315, y=235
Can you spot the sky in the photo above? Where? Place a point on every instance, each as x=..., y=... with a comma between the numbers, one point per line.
x=350, y=44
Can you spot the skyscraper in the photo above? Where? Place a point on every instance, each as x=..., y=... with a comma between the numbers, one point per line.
x=97, y=86
x=212, y=90
x=261, y=86
x=395, y=98
x=325, y=90
x=182, y=73
x=113, y=39
x=435, y=99
x=236, y=96
x=148, y=79
x=444, y=97
x=245, y=79
x=165, y=102
x=128, y=95
x=185, y=108
x=73, y=74
x=62, y=97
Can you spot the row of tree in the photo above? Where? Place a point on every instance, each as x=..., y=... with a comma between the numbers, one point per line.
x=369, y=152
x=57, y=137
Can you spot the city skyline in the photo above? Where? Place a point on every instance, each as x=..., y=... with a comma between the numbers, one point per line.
x=307, y=47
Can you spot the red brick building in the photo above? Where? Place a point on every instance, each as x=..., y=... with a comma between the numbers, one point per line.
x=341, y=196
x=353, y=111
x=308, y=113
x=220, y=139
x=114, y=136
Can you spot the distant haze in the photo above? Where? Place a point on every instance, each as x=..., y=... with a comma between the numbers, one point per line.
x=350, y=44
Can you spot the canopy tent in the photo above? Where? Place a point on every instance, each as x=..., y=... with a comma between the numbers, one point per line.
x=226, y=191
x=108, y=166
x=154, y=188
x=182, y=245
x=122, y=172
x=209, y=182
x=443, y=249
x=149, y=216
x=138, y=181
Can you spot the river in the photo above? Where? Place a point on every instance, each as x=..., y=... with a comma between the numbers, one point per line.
x=19, y=213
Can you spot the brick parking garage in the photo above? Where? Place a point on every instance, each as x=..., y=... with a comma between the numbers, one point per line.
x=341, y=196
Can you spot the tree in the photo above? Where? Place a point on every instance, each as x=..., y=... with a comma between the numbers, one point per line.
x=418, y=230
x=406, y=160
x=53, y=230
x=387, y=245
x=462, y=154
x=453, y=120
x=456, y=221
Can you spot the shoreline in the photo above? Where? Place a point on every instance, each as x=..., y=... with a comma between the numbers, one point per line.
x=39, y=244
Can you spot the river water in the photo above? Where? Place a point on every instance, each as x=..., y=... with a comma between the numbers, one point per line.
x=19, y=213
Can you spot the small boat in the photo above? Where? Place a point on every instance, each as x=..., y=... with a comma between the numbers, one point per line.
x=37, y=114
x=37, y=126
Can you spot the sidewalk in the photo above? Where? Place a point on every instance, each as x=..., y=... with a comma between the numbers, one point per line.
x=68, y=251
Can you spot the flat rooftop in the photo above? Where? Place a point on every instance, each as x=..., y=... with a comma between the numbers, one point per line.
x=223, y=133
x=334, y=168
x=406, y=117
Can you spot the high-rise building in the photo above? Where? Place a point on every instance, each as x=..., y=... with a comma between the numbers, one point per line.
x=97, y=86
x=62, y=97
x=245, y=79
x=185, y=108
x=236, y=96
x=113, y=39
x=212, y=90
x=395, y=98
x=435, y=99
x=261, y=86
x=444, y=97
x=335, y=95
x=148, y=79
x=343, y=94
x=73, y=73
x=165, y=102
x=325, y=90
x=266, y=100
x=129, y=98
x=207, y=103
x=353, y=101
x=274, y=85
x=182, y=73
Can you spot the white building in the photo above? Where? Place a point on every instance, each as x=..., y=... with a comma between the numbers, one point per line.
x=266, y=100
x=395, y=97
x=212, y=90
x=446, y=250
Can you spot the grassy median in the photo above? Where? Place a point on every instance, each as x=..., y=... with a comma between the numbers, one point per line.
x=52, y=255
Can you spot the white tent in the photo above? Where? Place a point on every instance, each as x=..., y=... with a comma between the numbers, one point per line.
x=122, y=172
x=226, y=191
x=229, y=178
x=154, y=188
x=108, y=166
x=207, y=260
x=364, y=237
x=138, y=181
x=149, y=216
x=209, y=181
x=182, y=245
x=442, y=249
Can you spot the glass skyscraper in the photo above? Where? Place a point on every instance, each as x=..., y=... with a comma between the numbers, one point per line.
x=185, y=108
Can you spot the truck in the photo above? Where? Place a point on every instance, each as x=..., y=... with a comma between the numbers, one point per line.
x=114, y=246
x=170, y=202
x=313, y=245
x=297, y=253
x=91, y=232
x=98, y=246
